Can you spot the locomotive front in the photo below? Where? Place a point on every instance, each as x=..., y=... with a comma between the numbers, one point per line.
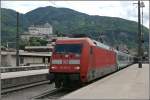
x=65, y=63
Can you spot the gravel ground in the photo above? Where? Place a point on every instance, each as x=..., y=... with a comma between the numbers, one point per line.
x=28, y=93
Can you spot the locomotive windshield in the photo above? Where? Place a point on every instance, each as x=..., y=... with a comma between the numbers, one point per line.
x=68, y=48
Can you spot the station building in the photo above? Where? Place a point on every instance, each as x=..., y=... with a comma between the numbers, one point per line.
x=8, y=59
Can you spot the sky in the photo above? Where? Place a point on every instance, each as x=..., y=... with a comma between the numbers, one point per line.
x=122, y=9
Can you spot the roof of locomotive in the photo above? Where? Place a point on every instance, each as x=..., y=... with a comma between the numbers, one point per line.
x=99, y=44
x=90, y=41
x=75, y=39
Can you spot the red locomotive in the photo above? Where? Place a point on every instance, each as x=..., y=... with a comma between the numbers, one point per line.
x=81, y=60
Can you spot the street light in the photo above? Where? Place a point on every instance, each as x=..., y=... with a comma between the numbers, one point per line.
x=142, y=5
x=140, y=31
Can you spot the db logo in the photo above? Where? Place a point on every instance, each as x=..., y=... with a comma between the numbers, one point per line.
x=65, y=61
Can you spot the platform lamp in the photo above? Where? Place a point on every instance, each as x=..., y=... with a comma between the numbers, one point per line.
x=139, y=34
x=142, y=5
x=140, y=54
x=17, y=41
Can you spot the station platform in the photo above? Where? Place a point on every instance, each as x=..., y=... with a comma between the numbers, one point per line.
x=129, y=83
x=9, y=75
x=23, y=68
x=21, y=78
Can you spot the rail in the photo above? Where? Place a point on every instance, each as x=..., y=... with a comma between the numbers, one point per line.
x=15, y=88
x=53, y=94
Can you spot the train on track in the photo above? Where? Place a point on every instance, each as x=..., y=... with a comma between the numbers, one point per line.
x=82, y=60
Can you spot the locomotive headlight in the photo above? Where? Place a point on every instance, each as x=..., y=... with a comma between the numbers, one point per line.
x=77, y=67
x=53, y=67
x=66, y=56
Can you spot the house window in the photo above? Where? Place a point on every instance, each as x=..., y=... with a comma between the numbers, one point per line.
x=48, y=59
x=21, y=60
x=43, y=59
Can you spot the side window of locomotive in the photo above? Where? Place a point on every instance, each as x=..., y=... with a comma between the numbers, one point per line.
x=120, y=58
x=95, y=43
x=91, y=50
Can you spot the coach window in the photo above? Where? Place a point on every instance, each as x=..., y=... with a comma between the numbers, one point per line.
x=121, y=58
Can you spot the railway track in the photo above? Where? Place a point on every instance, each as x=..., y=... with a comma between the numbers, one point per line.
x=11, y=89
x=53, y=94
x=49, y=94
x=58, y=93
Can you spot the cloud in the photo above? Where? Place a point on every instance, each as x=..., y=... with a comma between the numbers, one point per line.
x=131, y=11
x=24, y=6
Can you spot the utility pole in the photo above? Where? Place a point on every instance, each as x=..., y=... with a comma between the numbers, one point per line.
x=17, y=41
x=139, y=36
x=142, y=5
x=0, y=55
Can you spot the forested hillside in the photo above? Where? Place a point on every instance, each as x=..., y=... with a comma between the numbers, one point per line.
x=115, y=31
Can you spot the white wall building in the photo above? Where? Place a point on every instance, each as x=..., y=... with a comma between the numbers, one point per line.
x=45, y=29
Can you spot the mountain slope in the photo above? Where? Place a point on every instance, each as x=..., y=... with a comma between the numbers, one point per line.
x=115, y=31
x=8, y=24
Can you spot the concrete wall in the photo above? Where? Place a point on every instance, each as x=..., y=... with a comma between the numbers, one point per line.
x=8, y=60
x=4, y=60
x=13, y=60
x=33, y=60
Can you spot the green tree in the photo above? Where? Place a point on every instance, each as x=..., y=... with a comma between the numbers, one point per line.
x=35, y=41
x=23, y=43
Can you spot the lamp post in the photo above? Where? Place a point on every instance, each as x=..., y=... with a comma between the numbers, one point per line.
x=142, y=31
x=140, y=54
x=17, y=41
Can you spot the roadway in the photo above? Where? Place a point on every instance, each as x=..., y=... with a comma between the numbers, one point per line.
x=129, y=83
